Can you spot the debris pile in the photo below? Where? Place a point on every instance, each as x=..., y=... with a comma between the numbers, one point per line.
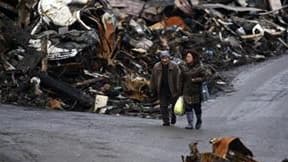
x=97, y=55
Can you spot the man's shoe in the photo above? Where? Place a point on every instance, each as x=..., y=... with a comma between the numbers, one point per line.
x=166, y=124
x=173, y=120
x=198, y=124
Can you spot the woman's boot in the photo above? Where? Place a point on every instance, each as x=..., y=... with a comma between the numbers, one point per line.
x=189, y=116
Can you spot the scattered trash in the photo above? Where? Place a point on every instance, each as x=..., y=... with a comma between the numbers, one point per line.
x=100, y=101
x=98, y=55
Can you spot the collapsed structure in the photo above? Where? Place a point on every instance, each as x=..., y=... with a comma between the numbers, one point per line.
x=97, y=55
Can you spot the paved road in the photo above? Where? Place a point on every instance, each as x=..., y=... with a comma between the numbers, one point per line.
x=256, y=112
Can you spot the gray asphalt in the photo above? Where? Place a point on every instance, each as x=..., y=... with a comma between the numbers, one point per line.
x=256, y=112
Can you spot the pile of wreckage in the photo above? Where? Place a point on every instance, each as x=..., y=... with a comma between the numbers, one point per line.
x=97, y=55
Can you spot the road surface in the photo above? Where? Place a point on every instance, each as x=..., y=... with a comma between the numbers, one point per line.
x=256, y=112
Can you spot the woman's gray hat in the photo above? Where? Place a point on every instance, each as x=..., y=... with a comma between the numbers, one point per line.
x=164, y=54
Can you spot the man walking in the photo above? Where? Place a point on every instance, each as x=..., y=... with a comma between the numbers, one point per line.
x=165, y=84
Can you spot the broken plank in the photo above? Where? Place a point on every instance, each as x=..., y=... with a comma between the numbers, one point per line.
x=236, y=9
x=65, y=90
x=88, y=82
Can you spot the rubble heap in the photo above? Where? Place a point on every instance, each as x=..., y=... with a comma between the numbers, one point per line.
x=97, y=55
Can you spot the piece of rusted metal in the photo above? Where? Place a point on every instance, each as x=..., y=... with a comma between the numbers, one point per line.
x=224, y=149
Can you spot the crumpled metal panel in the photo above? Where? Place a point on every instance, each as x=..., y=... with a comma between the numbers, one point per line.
x=59, y=49
x=58, y=12
x=222, y=146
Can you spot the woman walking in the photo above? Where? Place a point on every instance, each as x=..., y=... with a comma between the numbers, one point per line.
x=192, y=76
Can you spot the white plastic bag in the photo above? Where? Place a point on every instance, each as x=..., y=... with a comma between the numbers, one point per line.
x=179, y=106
